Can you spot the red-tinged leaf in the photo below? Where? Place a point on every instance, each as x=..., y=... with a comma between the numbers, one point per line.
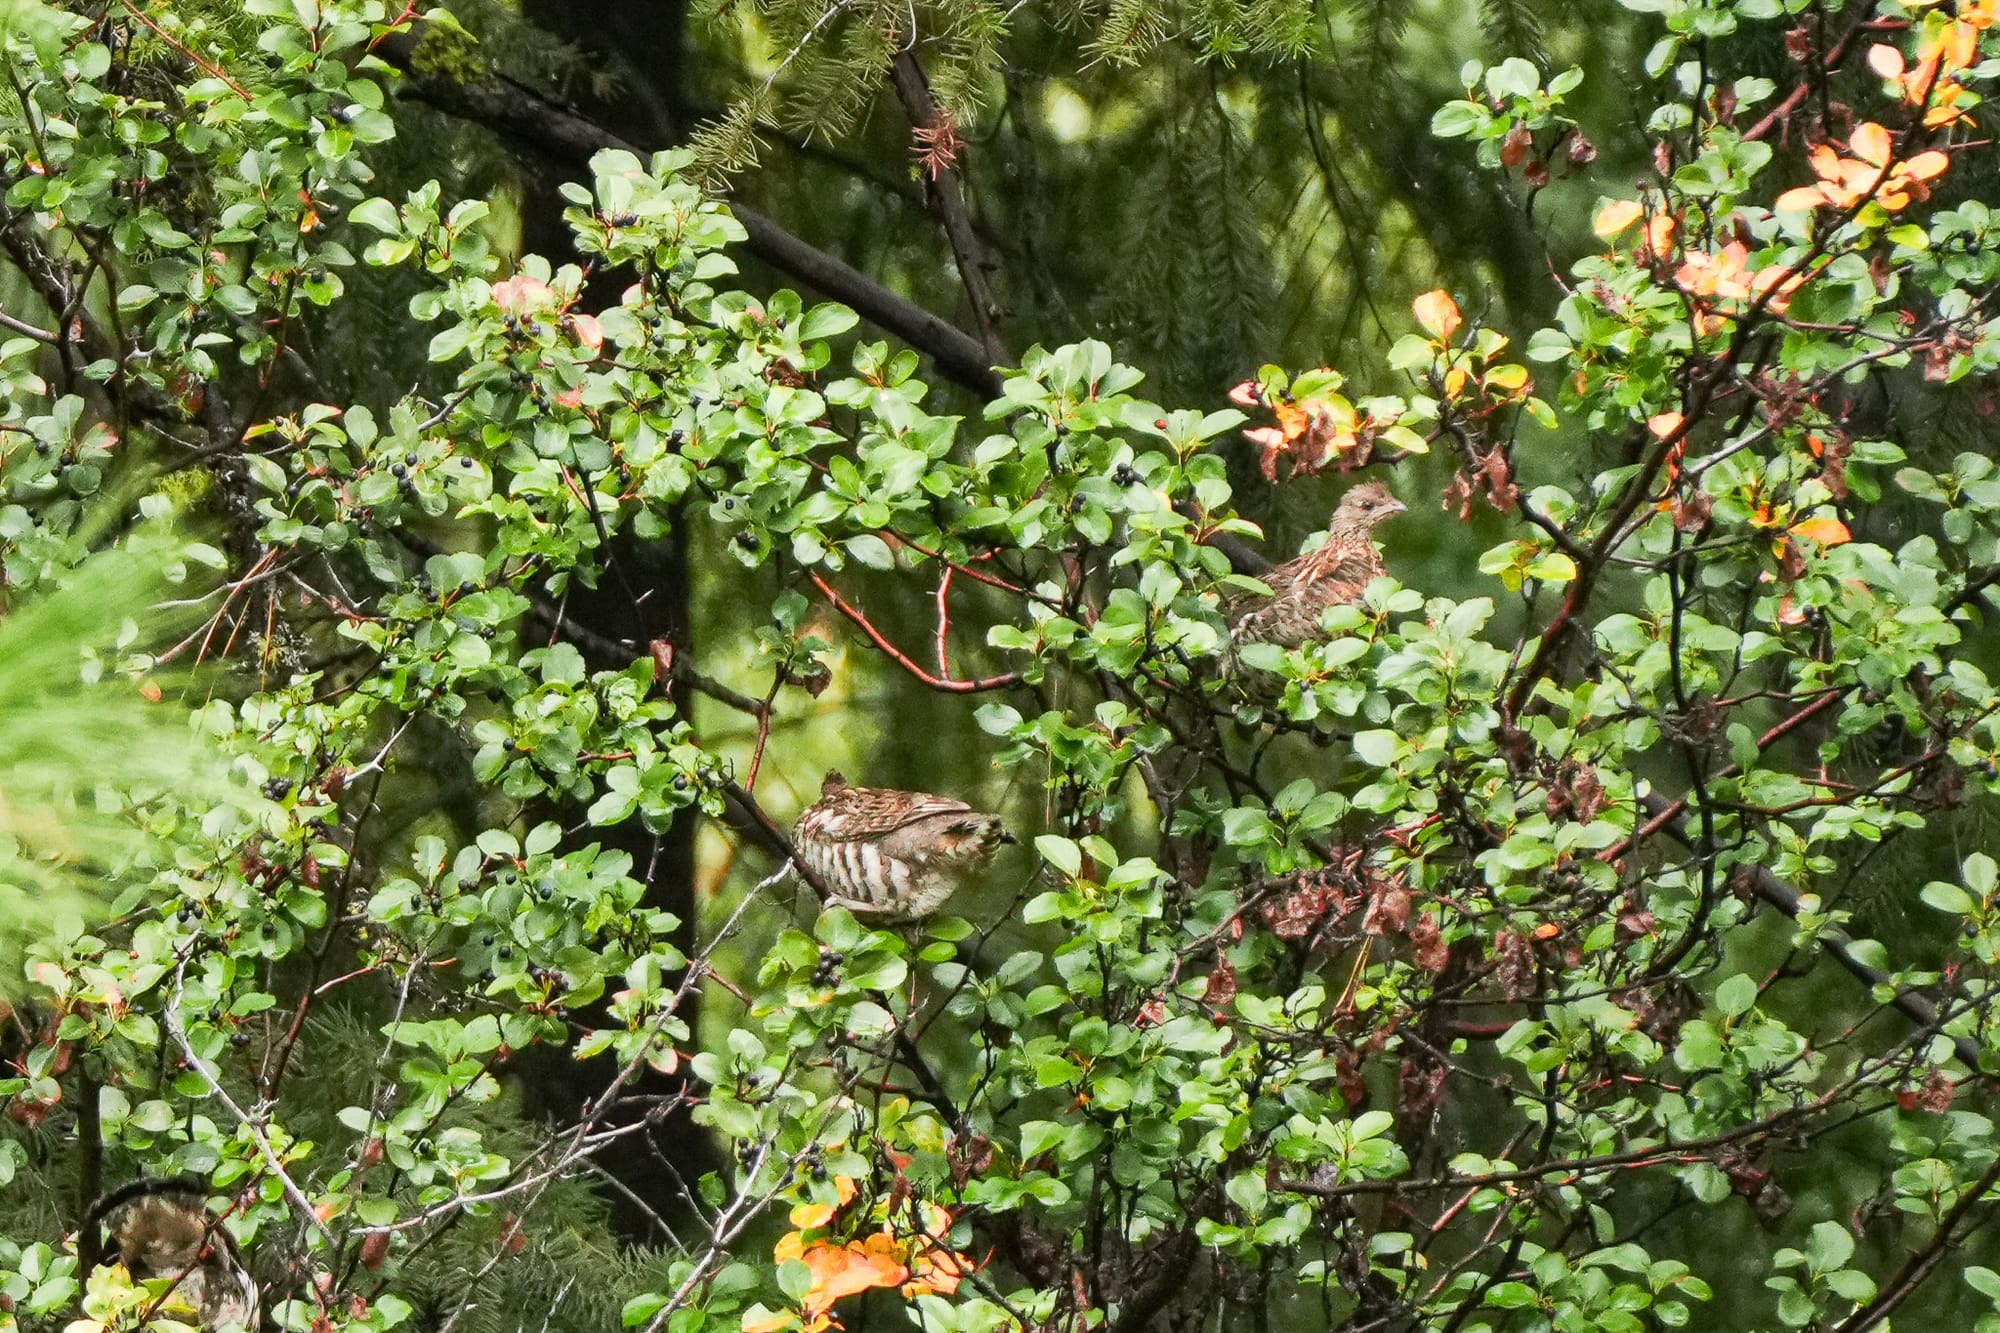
x=1388, y=912
x=521, y=294
x=1939, y=1092
x=1221, y=989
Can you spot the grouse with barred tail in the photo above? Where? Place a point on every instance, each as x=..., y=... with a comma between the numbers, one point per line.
x=892, y=854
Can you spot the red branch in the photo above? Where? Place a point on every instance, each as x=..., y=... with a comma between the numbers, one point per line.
x=1832, y=61
x=1675, y=809
x=944, y=620
x=900, y=658
x=969, y=572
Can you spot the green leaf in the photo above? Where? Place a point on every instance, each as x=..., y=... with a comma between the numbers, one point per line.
x=378, y=214
x=1828, y=1246
x=1455, y=120
x=1377, y=748
x=1736, y=995
x=1061, y=853
x=1947, y=898
x=871, y=551
x=826, y=320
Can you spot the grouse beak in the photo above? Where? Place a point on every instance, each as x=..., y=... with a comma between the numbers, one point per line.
x=1007, y=839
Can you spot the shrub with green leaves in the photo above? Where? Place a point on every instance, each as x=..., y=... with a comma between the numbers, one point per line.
x=1602, y=941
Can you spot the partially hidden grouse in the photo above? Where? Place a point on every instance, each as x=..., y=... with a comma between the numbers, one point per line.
x=1334, y=574
x=892, y=854
x=163, y=1230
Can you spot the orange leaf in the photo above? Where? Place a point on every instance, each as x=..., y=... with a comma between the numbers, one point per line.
x=812, y=1214
x=1801, y=200
x=1886, y=60
x=1664, y=424
x=839, y=1271
x=1437, y=314
x=1825, y=531
x=1616, y=217
x=937, y=1271
x=1547, y=930
x=1926, y=165
x=1960, y=44
x=1293, y=418
x=1871, y=143
x=1947, y=109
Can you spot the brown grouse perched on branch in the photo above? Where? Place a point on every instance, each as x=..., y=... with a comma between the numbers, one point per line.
x=163, y=1230
x=1335, y=574
x=892, y=854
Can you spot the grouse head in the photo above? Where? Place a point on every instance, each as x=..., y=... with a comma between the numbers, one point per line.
x=1366, y=505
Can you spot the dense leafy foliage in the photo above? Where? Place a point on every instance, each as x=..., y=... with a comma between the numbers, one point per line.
x=1485, y=964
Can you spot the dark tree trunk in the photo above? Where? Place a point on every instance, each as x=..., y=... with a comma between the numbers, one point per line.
x=643, y=594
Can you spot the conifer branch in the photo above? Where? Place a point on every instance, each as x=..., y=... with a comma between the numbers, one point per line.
x=944, y=187
x=517, y=112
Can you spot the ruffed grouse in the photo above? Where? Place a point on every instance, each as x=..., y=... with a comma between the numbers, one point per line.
x=892, y=854
x=162, y=1229
x=1335, y=574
